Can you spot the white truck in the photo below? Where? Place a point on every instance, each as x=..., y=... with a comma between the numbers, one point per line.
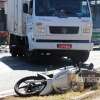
x=50, y=27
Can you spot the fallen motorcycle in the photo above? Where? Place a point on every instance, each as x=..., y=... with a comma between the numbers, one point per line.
x=61, y=80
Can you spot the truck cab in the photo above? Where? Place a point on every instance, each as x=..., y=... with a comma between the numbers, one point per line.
x=57, y=27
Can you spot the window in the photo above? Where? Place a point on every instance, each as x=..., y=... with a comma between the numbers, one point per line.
x=62, y=8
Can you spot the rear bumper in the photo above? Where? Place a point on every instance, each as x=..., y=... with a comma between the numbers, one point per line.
x=53, y=46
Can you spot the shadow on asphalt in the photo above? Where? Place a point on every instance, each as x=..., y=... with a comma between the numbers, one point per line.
x=41, y=64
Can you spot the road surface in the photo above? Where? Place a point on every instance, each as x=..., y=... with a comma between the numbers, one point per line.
x=13, y=69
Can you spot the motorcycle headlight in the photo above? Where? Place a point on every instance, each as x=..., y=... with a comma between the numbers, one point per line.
x=40, y=27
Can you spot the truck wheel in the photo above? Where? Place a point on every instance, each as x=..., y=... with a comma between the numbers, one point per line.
x=20, y=52
x=80, y=56
x=13, y=52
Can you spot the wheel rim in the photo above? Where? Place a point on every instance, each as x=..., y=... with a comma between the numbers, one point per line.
x=31, y=87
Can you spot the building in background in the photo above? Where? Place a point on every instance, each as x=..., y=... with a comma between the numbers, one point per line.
x=2, y=15
x=2, y=3
x=95, y=7
x=3, y=23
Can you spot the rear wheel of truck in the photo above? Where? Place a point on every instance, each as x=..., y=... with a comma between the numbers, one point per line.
x=20, y=51
x=12, y=45
x=13, y=52
x=18, y=45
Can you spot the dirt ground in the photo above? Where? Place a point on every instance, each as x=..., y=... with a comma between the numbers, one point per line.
x=66, y=96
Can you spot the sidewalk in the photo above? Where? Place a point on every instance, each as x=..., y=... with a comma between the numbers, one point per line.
x=96, y=98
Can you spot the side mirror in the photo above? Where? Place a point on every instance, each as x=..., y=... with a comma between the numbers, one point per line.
x=25, y=8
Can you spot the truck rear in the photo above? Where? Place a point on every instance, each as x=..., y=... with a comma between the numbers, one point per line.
x=50, y=27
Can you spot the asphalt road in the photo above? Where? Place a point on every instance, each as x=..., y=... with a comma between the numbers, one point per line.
x=13, y=69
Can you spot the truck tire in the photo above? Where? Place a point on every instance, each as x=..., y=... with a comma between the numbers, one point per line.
x=20, y=52
x=13, y=52
x=12, y=45
x=80, y=56
x=18, y=45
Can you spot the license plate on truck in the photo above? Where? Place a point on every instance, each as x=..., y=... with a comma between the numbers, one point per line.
x=64, y=46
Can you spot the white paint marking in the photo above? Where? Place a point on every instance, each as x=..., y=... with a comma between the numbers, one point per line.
x=7, y=93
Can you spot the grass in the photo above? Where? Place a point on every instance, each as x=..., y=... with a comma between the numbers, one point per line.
x=65, y=96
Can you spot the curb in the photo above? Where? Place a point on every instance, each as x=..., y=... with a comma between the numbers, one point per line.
x=86, y=95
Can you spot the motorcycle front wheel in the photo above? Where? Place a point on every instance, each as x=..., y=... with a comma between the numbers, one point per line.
x=29, y=86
